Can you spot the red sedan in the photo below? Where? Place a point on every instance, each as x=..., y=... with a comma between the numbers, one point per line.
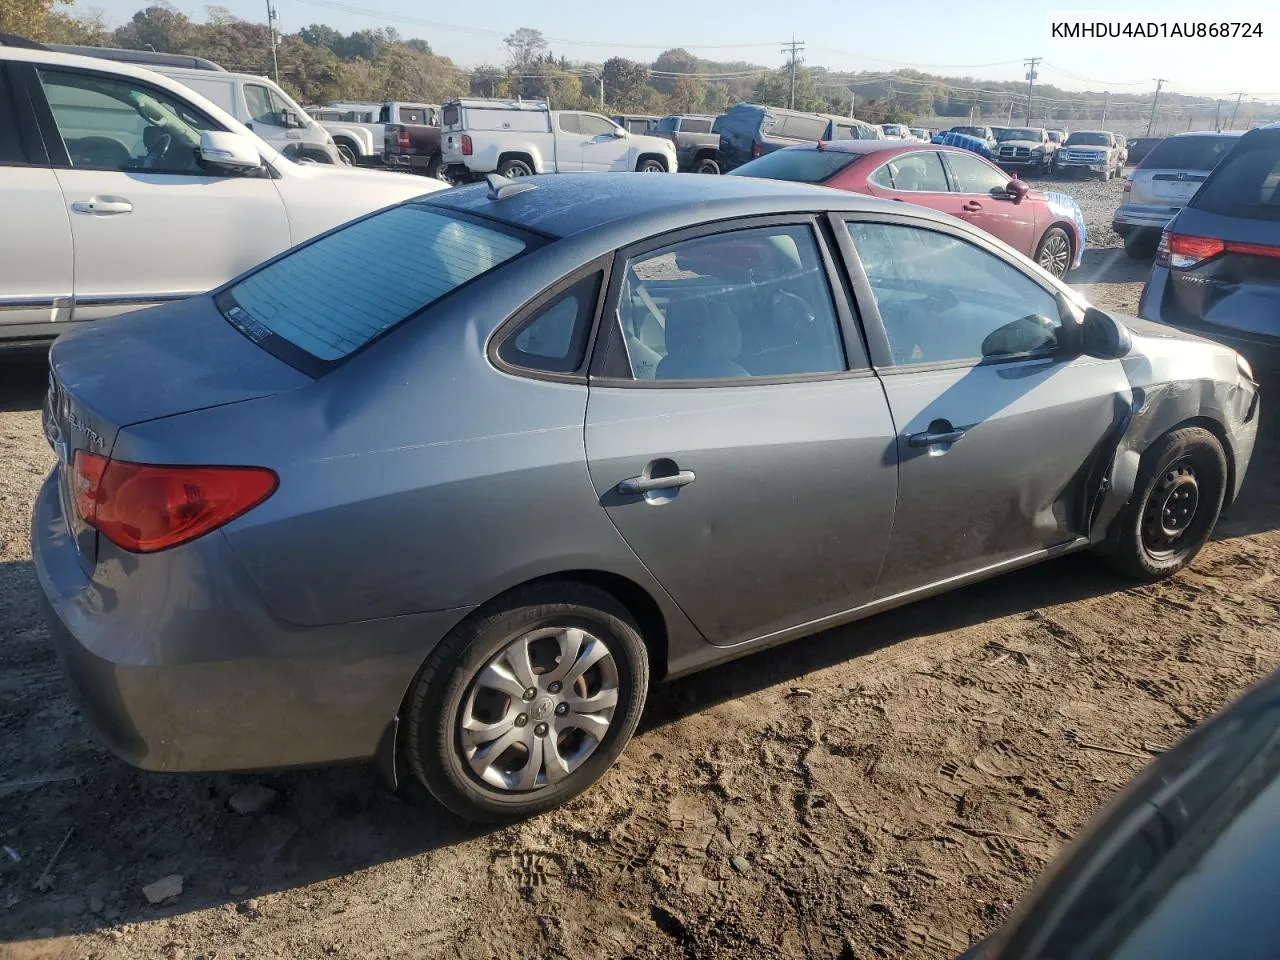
x=1047, y=226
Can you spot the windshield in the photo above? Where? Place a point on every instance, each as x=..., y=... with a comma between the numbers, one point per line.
x=329, y=298
x=800, y=166
x=666, y=125
x=1189, y=153
x=1247, y=185
x=1018, y=133
x=980, y=132
x=1088, y=140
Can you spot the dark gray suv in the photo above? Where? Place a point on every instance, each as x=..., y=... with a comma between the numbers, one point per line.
x=751, y=130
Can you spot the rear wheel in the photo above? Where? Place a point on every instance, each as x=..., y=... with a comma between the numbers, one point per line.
x=346, y=152
x=515, y=168
x=1177, y=498
x=707, y=165
x=1054, y=252
x=527, y=702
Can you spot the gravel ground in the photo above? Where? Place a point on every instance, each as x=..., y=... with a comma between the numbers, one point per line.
x=882, y=790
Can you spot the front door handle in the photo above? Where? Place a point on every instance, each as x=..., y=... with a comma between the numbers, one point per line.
x=103, y=206
x=929, y=438
x=648, y=484
x=973, y=206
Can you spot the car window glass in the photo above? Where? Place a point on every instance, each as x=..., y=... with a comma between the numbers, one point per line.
x=115, y=124
x=696, y=126
x=11, y=147
x=913, y=172
x=258, y=100
x=942, y=299
x=1246, y=185
x=555, y=339
x=569, y=123
x=593, y=126
x=279, y=106
x=800, y=128
x=1189, y=153
x=974, y=176
x=751, y=303
x=412, y=115
x=667, y=125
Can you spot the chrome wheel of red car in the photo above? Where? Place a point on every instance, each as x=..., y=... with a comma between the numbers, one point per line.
x=1054, y=252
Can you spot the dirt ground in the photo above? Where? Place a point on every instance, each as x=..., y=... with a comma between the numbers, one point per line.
x=882, y=790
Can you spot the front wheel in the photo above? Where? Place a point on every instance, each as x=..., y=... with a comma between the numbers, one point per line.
x=651, y=166
x=527, y=702
x=1177, y=498
x=1054, y=252
x=347, y=153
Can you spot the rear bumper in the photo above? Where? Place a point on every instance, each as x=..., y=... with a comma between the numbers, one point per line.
x=1130, y=217
x=178, y=667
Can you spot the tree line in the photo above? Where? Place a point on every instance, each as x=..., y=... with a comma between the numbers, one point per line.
x=319, y=64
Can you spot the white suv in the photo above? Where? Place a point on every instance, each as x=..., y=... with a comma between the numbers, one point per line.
x=122, y=188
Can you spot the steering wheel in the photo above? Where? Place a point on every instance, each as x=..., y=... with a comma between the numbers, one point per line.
x=157, y=152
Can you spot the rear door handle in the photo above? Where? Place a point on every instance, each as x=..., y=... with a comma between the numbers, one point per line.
x=649, y=484
x=103, y=206
x=973, y=206
x=929, y=439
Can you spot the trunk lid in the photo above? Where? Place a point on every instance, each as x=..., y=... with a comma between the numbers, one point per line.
x=156, y=363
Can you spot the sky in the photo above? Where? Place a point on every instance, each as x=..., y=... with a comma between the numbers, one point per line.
x=986, y=41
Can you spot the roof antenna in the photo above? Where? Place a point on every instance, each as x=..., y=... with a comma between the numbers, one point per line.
x=501, y=187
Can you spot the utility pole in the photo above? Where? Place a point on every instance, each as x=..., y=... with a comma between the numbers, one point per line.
x=1106, y=102
x=1155, y=105
x=1232, y=124
x=1010, y=122
x=602, y=91
x=793, y=47
x=1031, y=63
x=272, y=17
x=1217, y=117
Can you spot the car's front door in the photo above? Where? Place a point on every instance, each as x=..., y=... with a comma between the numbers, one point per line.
x=149, y=223
x=981, y=189
x=747, y=461
x=35, y=243
x=1001, y=421
x=605, y=146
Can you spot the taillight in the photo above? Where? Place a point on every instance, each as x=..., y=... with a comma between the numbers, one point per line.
x=466, y=144
x=1128, y=186
x=144, y=508
x=756, y=149
x=1185, y=252
x=403, y=138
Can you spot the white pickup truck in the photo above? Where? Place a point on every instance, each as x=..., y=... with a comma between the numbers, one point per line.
x=358, y=129
x=520, y=138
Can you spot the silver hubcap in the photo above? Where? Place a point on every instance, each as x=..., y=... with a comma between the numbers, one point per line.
x=539, y=709
x=1054, y=255
x=516, y=172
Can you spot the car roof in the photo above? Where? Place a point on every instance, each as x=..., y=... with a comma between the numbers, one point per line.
x=872, y=146
x=1207, y=133
x=637, y=205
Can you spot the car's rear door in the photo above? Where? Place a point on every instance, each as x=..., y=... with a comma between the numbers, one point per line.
x=981, y=188
x=149, y=224
x=35, y=242
x=916, y=176
x=748, y=460
x=1002, y=424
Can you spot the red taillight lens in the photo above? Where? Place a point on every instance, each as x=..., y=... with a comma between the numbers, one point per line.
x=403, y=138
x=1253, y=249
x=144, y=508
x=756, y=150
x=1128, y=186
x=466, y=144
x=1185, y=252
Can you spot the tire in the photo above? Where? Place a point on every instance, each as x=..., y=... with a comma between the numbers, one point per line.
x=1141, y=244
x=1054, y=252
x=515, y=168
x=347, y=153
x=707, y=165
x=446, y=693
x=649, y=165
x=1181, y=483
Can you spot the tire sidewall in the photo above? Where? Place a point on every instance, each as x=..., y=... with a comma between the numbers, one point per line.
x=707, y=166
x=435, y=754
x=1211, y=474
x=510, y=165
x=1070, y=250
x=652, y=166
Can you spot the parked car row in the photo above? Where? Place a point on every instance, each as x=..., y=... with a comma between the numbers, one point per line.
x=363, y=133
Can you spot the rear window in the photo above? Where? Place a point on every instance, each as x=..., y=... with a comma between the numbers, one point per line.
x=801, y=166
x=696, y=126
x=1189, y=153
x=320, y=303
x=979, y=132
x=451, y=116
x=1247, y=185
x=800, y=128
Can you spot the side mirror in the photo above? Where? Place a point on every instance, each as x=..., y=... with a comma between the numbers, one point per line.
x=619, y=133
x=1103, y=336
x=1017, y=190
x=230, y=151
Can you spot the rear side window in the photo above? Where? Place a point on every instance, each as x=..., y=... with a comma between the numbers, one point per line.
x=568, y=123
x=11, y=146
x=554, y=339
x=919, y=172
x=412, y=115
x=800, y=128
x=452, y=115
x=329, y=298
x=1189, y=153
x=798, y=165
x=667, y=124
x=1247, y=185
x=696, y=126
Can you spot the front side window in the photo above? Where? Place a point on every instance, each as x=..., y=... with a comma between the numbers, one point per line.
x=800, y=128
x=693, y=125
x=973, y=175
x=751, y=303
x=259, y=101
x=569, y=123
x=109, y=123
x=593, y=126
x=920, y=172
x=331, y=297
x=942, y=299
